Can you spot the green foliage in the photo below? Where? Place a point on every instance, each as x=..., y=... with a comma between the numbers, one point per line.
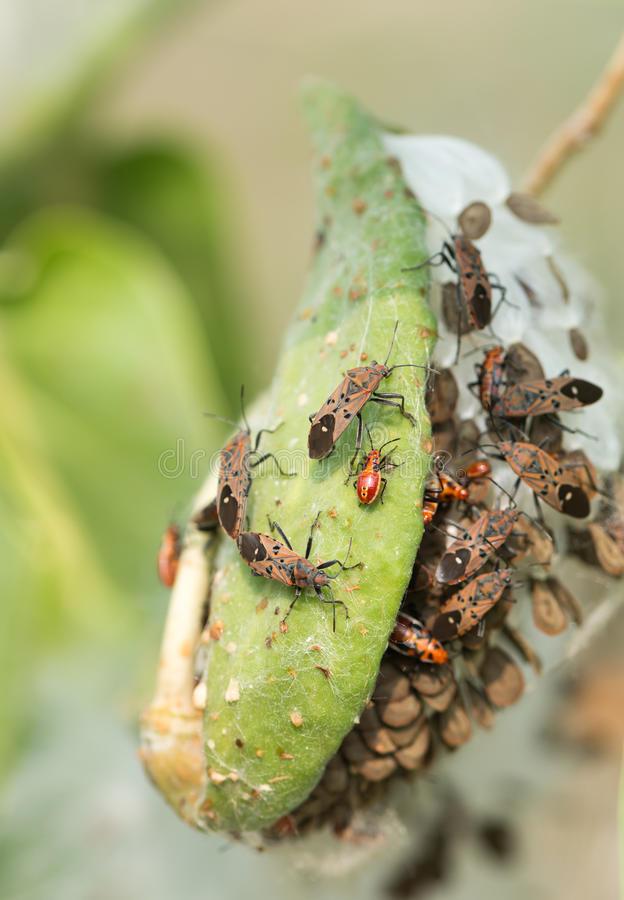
x=102, y=370
x=280, y=703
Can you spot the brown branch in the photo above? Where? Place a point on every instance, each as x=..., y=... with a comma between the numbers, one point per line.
x=582, y=125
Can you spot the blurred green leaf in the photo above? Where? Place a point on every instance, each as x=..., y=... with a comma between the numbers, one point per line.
x=102, y=369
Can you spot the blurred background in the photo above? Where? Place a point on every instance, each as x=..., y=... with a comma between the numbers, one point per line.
x=156, y=214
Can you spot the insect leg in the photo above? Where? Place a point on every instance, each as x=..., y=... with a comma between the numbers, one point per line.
x=384, y=482
x=389, y=400
x=292, y=603
x=358, y=441
x=309, y=544
x=444, y=257
x=333, y=602
x=272, y=456
x=274, y=526
x=266, y=431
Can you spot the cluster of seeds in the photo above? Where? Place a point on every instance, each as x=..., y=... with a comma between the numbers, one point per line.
x=454, y=657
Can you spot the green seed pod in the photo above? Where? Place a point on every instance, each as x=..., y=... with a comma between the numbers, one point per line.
x=279, y=699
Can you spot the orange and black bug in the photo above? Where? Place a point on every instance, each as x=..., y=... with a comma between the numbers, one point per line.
x=411, y=638
x=269, y=558
x=490, y=375
x=475, y=545
x=169, y=556
x=347, y=401
x=451, y=489
x=474, y=283
x=235, y=475
x=465, y=608
x=551, y=395
x=369, y=482
x=549, y=479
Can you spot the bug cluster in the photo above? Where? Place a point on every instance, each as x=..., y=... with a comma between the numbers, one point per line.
x=452, y=657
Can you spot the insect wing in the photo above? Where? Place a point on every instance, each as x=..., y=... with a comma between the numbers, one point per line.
x=466, y=607
x=554, y=485
x=475, y=284
x=267, y=557
x=537, y=398
x=234, y=483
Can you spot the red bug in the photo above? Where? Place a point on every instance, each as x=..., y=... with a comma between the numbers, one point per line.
x=235, y=475
x=346, y=402
x=411, y=638
x=474, y=283
x=450, y=489
x=475, y=545
x=465, y=608
x=169, y=556
x=490, y=375
x=549, y=479
x=551, y=395
x=269, y=558
x=370, y=483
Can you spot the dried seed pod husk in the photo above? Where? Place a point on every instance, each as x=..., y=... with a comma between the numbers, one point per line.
x=442, y=701
x=453, y=315
x=538, y=544
x=379, y=740
x=432, y=680
x=579, y=344
x=404, y=737
x=445, y=437
x=527, y=208
x=454, y=725
x=502, y=678
x=548, y=616
x=546, y=433
x=391, y=684
x=583, y=469
x=336, y=777
x=442, y=396
x=467, y=439
x=354, y=749
x=475, y=220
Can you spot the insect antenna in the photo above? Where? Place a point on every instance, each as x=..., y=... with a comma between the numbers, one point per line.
x=242, y=406
x=396, y=325
x=225, y=419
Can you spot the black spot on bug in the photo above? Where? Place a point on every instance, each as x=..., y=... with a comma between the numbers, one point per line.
x=453, y=565
x=573, y=501
x=321, y=437
x=583, y=391
x=228, y=510
x=251, y=547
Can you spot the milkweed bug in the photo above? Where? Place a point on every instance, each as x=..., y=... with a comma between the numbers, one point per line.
x=465, y=608
x=169, y=555
x=235, y=475
x=552, y=395
x=475, y=545
x=269, y=558
x=347, y=401
x=490, y=375
x=369, y=482
x=411, y=638
x=474, y=283
x=450, y=489
x=549, y=479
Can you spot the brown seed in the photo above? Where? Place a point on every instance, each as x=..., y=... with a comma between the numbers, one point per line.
x=579, y=344
x=566, y=600
x=608, y=554
x=475, y=220
x=391, y=684
x=403, y=737
x=582, y=469
x=546, y=433
x=412, y=756
x=537, y=544
x=478, y=707
x=467, y=437
x=556, y=271
x=400, y=712
x=523, y=647
x=430, y=682
x=379, y=740
x=548, y=616
x=443, y=700
x=377, y=769
x=527, y=208
x=442, y=396
x=502, y=678
x=522, y=365
x=450, y=311
x=354, y=749
x=445, y=437
x=336, y=777
x=454, y=725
